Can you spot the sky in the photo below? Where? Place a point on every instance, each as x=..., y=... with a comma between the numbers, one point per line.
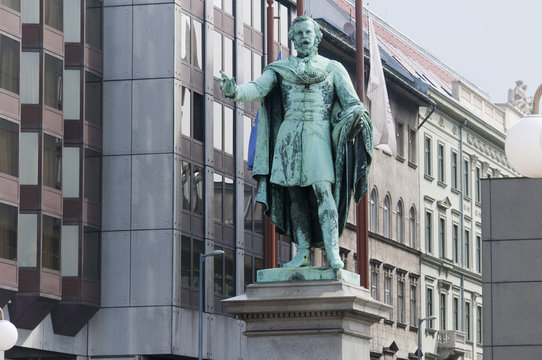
x=491, y=43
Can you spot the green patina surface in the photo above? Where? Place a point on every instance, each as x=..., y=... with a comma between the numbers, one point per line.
x=307, y=274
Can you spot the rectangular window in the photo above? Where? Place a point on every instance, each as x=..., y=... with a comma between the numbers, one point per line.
x=374, y=283
x=442, y=312
x=455, y=235
x=70, y=250
x=467, y=249
x=72, y=94
x=428, y=232
x=467, y=320
x=412, y=146
x=30, y=11
x=28, y=240
x=401, y=301
x=442, y=237
x=54, y=13
x=441, y=163
x=198, y=122
x=50, y=252
x=29, y=158
x=478, y=253
x=387, y=289
x=93, y=176
x=70, y=172
x=9, y=64
x=30, y=77
x=186, y=261
x=12, y=4
x=479, y=324
x=427, y=147
x=8, y=232
x=478, y=185
x=413, y=310
x=186, y=112
x=248, y=207
x=399, y=130
x=9, y=148
x=52, y=161
x=72, y=21
x=456, y=313
x=52, y=89
x=224, y=277
x=94, y=23
x=91, y=254
x=429, y=306
x=93, y=98
x=466, y=179
x=218, y=183
x=454, y=170
x=217, y=125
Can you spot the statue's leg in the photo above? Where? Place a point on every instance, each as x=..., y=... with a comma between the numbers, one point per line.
x=300, y=214
x=329, y=222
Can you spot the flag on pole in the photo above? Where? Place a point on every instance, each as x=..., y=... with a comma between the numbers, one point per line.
x=253, y=133
x=383, y=125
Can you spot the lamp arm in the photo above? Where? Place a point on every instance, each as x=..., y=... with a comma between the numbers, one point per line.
x=536, y=100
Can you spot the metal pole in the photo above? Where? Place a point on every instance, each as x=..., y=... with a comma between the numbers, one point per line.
x=200, y=337
x=362, y=223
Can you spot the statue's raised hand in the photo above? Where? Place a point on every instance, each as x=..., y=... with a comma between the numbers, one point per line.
x=227, y=85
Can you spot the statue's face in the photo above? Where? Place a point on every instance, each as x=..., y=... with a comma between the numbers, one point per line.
x=304, y=37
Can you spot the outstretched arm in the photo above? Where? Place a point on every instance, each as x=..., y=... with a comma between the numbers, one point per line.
x=254, y=90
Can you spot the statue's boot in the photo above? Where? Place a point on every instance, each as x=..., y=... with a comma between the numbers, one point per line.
x=302, y=257
x=332, y=250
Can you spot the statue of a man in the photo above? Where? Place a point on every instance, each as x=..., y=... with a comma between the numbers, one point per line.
x=313, y=146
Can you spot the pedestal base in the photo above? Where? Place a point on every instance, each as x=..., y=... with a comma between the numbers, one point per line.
x=326, y=319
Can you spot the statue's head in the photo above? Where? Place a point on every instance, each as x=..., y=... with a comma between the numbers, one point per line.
x=306, y=35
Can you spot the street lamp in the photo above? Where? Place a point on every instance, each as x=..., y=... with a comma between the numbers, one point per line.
x=201, y=281
x=523, y=142
x=8, y=333
x=420, y=321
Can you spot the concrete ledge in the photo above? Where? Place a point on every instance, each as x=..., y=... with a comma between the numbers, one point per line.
x=307, y=274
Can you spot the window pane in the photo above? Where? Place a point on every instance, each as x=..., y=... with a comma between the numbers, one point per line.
x=9, y=64
x=198, y=248
x=72, y=94
x=197, y=45
x=93, y=176
x=70, y=172
x=52, y=161
x=185, y=38
x=257, y=64
x=30, y=11
x=13, y=4
x=245, y=67
x=257, y=15
x=70, y=250
x=8, y=232
x=399, y=138
x=217, y=61
x=52, y=93
x=9, y=147
x=247, y=12
x=228, y=130
x=248, y=208
x=219, y=272
x=284, y=25
x=54, y=13
x=198, y=125
x=50, y=253
x=28, y=240
x=217, y=128
x=29, y=158
x=247, y=127
x=72, y=21
x=258, y=218
x=93, y=99
x=229, y=201
x=94, y=23
x=228, y=55
x=185, y=112
x=30, y=77
x=217, y=178
x=228, y=6
x=229, y=273
x=187, y=174
x=248, y=270
x=91, y=254
x=197, y=190
x=185, y=260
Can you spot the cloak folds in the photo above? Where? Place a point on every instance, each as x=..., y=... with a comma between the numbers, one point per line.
x=352, y=158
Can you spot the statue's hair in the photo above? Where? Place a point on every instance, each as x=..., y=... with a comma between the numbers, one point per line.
x=302, y=18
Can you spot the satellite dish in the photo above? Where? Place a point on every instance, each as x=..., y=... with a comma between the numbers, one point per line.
x=349, y=28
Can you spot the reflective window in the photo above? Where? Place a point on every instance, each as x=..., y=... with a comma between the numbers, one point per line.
x=185, y=179
x=229, y=201
x=413, y=307
x=52, y=92
x=442, y=237
x=9, y=64
x=198, y=247
x=466, y=170
x=91, y=254
x=257, y=63
x=28, y=240
x=428, y=232
x=225, y=5
x=192, y=41
x=427, y=144
x=9, y=148
x=93, y=176
x=247, y=128
x=185, y=38
x=217, y=48
x=93, y=99
x=8, y=232
x=440, y=162
x=248, y=200
x=429, y=306
x=401, y=301
x=186, y=112
x=72, y=94
x=228, y=56
x=228, y=130
x=52, y=161
x=224, y=273
x=54, y=13
x=185, y=260
x=198, y=124
x=399, y=136
x=29, y=158
x=72, y=21
x=400, y=223
x=217, y=127
x=70, y=172
x=245, y=67
x=217, y=179
x=197, y=190
x=258, y=218
x=30, y=11
x=197, y=45
x=30, y=77
x=284, y=25
x=13, y=4
x=94, y=23
x=455, y=239
x=412, y=227
x=412, y=145
x=50, y=252
x=70, y=250
x=454, y=170
x=387, y=217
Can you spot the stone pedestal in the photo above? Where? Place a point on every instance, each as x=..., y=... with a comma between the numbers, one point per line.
x=318, y=319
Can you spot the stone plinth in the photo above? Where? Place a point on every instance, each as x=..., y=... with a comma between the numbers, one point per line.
x=325, y=319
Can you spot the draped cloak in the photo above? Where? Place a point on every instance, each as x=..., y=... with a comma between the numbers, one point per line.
x=352, y=157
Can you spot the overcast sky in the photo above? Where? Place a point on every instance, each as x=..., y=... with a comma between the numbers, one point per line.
x=491, y=43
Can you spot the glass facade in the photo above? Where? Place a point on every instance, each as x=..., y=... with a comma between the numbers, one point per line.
x=52, y=161
x=9, y=64
x=52, y=88
x=8, y=232
x=9, y=148
x=50, y=246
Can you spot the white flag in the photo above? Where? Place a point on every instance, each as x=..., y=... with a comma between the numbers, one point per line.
x=383, y=125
